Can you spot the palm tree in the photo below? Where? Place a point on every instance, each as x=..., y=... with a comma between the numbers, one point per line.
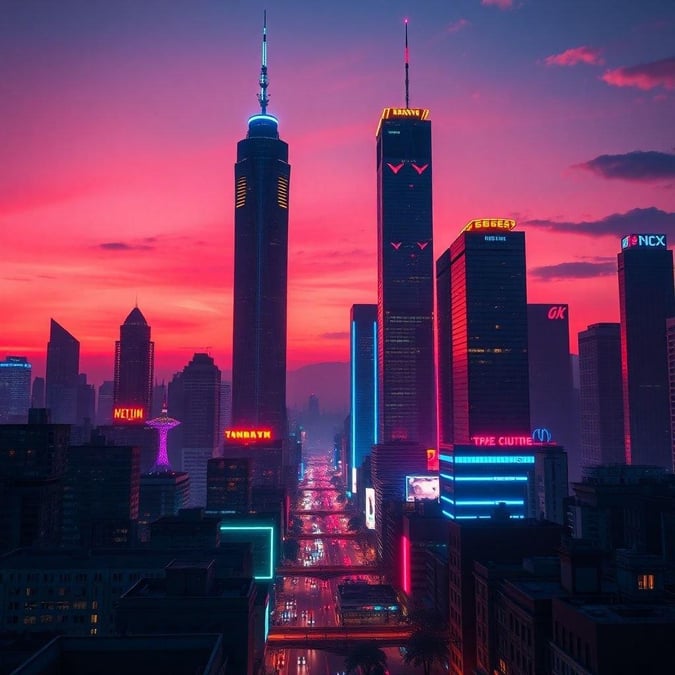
x=367, y=656
x=426, y=647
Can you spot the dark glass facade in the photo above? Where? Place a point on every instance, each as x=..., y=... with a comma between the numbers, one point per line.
x=363, y=385
x=600, y=390
x=62, y=375
x=134, y=365
x=405, y=277
x=484, y=336
x=646, y=301
x=262, y=178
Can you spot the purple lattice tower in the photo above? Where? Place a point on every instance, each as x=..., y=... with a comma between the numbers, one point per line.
x=163, y=424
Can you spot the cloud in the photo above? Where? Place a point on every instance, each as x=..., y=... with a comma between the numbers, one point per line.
x=650, y=219
x=502, y=4
x=458, y=25
x=341, y=335
x=634, y=166
x=122, y=246
x=575, y=270
x=574, y=56
x=644, y=76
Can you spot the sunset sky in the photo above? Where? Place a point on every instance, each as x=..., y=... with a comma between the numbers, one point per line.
x=118, y=128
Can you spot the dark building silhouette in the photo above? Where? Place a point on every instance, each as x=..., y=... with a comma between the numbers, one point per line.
x=134, y=364
x=32, y=464
x=162, y=493
x=15, y=396
x=363, y=425
x=104, y=409
x=37, y=395
x=550, y=368
x=262, y=181
x=600, y=393
x=100, y=497
x=62, y=375
x=484, y=335
x=670, y=339
x=228, y=484
x=646, y=300
x=194, y=399
x=405, y=277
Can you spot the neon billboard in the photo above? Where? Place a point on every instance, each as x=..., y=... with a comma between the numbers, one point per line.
x=643, y=241
x=502, y=441
x=370, y=508
x=421, y=487
x=489, y=224
x=128, y=414
x=248, y=434
x=432, y=459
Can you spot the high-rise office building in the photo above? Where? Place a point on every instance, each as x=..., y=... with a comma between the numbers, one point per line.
x=670, y=338
x=483, y=337
x=134, y=364
x=62, y=375
x=262, y=181
x=363, y=386
x=194, y=399
x=601, y=399
x=405, y=293
x=15, y=374
x=104, y=409
x=228, y=484
x=551, y=389
x=37, y=395
x=646, y=299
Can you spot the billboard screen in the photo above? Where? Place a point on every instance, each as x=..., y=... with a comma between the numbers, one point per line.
x=421, y=487
x=370, y=508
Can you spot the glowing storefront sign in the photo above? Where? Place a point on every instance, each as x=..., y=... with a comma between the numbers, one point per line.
x=131, y=414
x=432, y=459
x=370, y=508
x=557, y=312
x=248, y=434
x=503, y=441
x=489, y=224
x=644, y=241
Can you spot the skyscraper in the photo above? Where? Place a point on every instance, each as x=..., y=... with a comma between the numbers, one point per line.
x=363, y=386
x=646, y=300
x=14, y=389
x=601, y=399
x=483, y=337
x=405, y=275
x=134, y=363
x=262, y=178
x=62, y=375
x=194, y=399
x=551, y=389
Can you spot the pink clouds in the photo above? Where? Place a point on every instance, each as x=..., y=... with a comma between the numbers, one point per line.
x=644, y=76
x=574, y=56
x=458, y=25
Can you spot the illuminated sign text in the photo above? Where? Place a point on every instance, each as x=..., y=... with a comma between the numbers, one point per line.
x=502, y=440
x=248, y=434
x=557, y=312
x=489, y=224
x=644, y=241
x=418, y=113
x=136, y=414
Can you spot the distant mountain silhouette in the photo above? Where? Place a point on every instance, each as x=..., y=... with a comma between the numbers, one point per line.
x=329, y=381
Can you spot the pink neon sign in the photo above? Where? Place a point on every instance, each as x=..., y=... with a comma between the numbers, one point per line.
x=502, y=441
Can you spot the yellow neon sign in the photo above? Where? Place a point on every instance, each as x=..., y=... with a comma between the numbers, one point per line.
x=248, y=434
x=409, y=113
x=489, y=224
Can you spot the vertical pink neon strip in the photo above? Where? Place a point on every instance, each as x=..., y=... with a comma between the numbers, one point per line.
x=405, y=560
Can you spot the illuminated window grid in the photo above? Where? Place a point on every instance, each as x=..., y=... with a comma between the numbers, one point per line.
x=282, y=192
x=259, y=528
x=240, y=192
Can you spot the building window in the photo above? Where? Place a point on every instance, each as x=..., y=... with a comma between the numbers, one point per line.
x=645, y=582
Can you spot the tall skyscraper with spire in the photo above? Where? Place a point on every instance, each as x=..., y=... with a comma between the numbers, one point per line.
x=134, y=365
x=262, y=177
x=62, y=375
x=405, y=274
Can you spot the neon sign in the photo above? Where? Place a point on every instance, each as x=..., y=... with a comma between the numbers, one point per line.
x=417, y=113
x=248, y=434
x=504, y=441
x=432, y=459
x=370, y=508
x=489, y=224
x=644, y=241
x=557, y=312
x=542, y=435
x=122, y=414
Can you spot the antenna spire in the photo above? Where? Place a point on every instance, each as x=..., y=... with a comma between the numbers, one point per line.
x=263, y=98
x=407, y=84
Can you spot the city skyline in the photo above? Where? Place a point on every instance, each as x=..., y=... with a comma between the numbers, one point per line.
x=127, y=153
